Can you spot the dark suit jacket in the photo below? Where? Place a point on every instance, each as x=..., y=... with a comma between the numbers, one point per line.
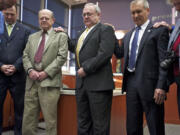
x=149, y=75
x=174, y=35
x=11, y=50
x=95, y=57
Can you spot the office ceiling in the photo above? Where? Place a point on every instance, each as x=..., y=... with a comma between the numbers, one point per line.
x=74, y=2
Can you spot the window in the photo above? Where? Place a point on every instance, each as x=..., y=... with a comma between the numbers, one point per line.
x=30, y=13
x=60, y=12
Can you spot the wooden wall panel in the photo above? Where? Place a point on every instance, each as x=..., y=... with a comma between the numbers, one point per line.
x=118, y=116
x=67, y=116
x=171, y=109
x=8, y=112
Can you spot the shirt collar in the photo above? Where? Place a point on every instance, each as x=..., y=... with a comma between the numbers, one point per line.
x=89, y=29
x=11, y=24
x=143, y=27
x=48, y=32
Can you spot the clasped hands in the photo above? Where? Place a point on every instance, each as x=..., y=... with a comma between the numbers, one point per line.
x=8, y=70
x=39, y=76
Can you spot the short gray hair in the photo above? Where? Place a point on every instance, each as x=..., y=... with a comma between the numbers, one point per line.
x=47, y=10
x=97, y=8
x=144, y=2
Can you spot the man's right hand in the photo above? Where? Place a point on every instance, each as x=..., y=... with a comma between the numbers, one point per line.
x=59, y=29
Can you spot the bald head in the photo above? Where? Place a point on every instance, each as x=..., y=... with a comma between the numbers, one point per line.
x=47, y=11
x=46, y=19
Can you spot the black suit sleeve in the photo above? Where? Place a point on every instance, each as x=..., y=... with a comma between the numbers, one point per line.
x=162, y=43
x=118, y=50
x=105, y=51
x=18, y=64
x=71, y=45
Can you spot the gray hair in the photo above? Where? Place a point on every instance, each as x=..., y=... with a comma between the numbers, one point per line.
x=170, y=2
x=47, y=10
x=97, y=8
x=144, y=2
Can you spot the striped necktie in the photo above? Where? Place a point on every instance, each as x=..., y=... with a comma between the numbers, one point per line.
x=79, y=44
x=39, y=53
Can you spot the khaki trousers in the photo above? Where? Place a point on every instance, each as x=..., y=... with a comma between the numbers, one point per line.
x=44, y=99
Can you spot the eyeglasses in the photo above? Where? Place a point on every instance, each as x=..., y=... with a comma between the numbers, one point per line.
x=87, y=14
x=44, y=18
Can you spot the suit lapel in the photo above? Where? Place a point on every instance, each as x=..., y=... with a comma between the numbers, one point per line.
x=6, y=33
x=14, y=31
x=89, y=36
x=50, y=39
x=144, y=37
x=36, y=42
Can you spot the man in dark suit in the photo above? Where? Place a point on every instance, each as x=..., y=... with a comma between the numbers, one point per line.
x=94, y=79
x=144, y=80
x=174, y=45
x=12, y=75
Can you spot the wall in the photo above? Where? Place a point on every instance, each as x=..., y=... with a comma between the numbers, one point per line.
x=117, y=12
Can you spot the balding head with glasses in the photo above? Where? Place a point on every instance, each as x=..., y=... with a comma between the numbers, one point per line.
x=46, y=19
x=91, y=14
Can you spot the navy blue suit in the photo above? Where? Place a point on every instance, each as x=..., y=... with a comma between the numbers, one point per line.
x=141, y=84
x=11, y=51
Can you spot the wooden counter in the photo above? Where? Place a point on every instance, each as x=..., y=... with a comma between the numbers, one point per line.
x=67, y=115
x=171, y=107
x=67, y=120
x=8, y=112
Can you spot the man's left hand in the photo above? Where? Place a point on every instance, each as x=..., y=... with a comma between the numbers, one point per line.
x=12, y=69
x=159, y=96
x=81, y=72
x=42, y=75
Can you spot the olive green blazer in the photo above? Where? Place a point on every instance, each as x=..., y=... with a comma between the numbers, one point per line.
x=54, y=56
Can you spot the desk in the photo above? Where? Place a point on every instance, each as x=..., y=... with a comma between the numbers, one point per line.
x=67, y=109
x=67, y=120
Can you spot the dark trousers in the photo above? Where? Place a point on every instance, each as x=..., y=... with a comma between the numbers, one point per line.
x=93, y=111
x=17, y=93
x=177, y=80
x=136, y=106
